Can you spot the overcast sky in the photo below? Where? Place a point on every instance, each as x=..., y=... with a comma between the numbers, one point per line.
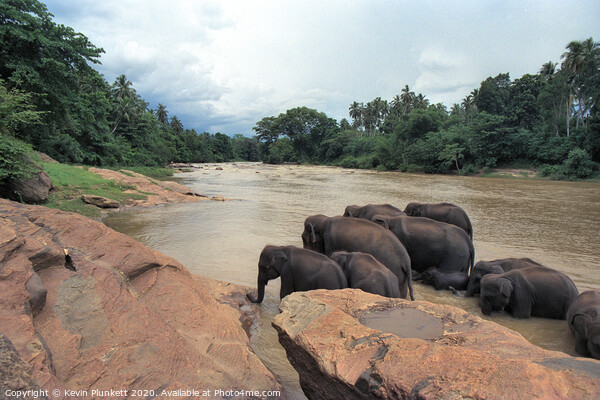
x=223, y=65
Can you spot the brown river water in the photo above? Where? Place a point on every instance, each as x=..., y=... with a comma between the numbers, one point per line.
x=553, y=223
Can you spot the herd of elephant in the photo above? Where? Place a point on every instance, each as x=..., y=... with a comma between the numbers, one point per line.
x=381, y=249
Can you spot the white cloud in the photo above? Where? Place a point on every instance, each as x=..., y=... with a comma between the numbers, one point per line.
x=224, y=65
x=446, y=75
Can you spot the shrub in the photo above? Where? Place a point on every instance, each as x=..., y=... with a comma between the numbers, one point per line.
x=579, y=164
x=13, y=159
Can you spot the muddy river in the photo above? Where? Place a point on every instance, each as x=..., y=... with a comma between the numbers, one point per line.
x=554, y=223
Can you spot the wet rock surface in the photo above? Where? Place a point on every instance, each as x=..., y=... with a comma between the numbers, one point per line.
x=88, y=308
x=418, y=350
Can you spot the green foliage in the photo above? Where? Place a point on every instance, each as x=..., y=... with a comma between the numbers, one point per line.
x=579, y=165
x=281, y=151
x=16, y=110
x=13, y=159
x=52, y=99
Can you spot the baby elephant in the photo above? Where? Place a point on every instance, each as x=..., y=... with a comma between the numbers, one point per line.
x=528, y=292
x=498, y=266
x=584, y=322
x=456, y=280
x=364, y=272
x=300, y=270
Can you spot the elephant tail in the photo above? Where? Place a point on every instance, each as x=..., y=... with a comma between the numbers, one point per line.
x=409, y=282
x=471, y=257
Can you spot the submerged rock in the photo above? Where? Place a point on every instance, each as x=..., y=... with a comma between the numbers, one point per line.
x=102, y=311
x=354, y=345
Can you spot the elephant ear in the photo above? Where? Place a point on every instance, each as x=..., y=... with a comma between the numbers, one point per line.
x=278, y=260
x=313, y=235
x=580, y=322
x=496, y=269
x=506, y=287
x=341, y=258
x=381, y=220
x=349, y=212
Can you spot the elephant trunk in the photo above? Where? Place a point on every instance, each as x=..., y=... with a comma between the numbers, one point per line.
x=471, y=289
x=261, y=291
x=486, y=308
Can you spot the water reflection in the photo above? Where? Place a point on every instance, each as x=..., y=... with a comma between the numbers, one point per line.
x=554, y=223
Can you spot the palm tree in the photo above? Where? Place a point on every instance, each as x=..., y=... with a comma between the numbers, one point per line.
x=370, y=114
x=468, y=104
x=176, y=124
x=456, y=109
x=162, y=114
x=122, y=87
x=548, y=70
x=396, y=105
x=407, y=98
x=380, y=110
x=420, y=101
x=576, y=60
x=356, y=110
x=125, y=110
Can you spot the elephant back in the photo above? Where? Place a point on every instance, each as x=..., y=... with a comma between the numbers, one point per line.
x=360, y=235
x=552, y=291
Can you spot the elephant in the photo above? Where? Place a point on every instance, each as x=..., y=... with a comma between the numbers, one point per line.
x=528, y=292
x=370, y=210
x=583, y=318
x=443, y=212
x=456, y=280
x=330, y=234
x=498, y=266
x=300, y=270
x=431, y=243
x=364, y=272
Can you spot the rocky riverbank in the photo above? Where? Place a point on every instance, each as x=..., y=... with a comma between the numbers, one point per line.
x=87, y=308
x=354, y=345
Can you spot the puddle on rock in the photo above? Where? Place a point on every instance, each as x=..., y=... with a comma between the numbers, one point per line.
x=405, y=323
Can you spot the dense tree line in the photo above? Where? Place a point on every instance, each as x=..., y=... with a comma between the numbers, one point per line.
x=52, y=99
x=549, y=120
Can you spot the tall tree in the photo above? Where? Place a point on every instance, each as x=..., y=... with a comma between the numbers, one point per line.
x=548, y=70
x=48, y=61
x=161, y=114
x=579, y=60
x=176, y=124
x=356, y=112
x=122, y=88
x=407, y=98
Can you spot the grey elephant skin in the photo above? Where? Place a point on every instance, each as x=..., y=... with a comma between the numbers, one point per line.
x=329, y=234
x=370, y=210
x=528, y=292
x=430, y=243
x=299, y=269
x=584, y=322
x=498, y=266
x=443, y=212
x=456, y=280
x=364, y=272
